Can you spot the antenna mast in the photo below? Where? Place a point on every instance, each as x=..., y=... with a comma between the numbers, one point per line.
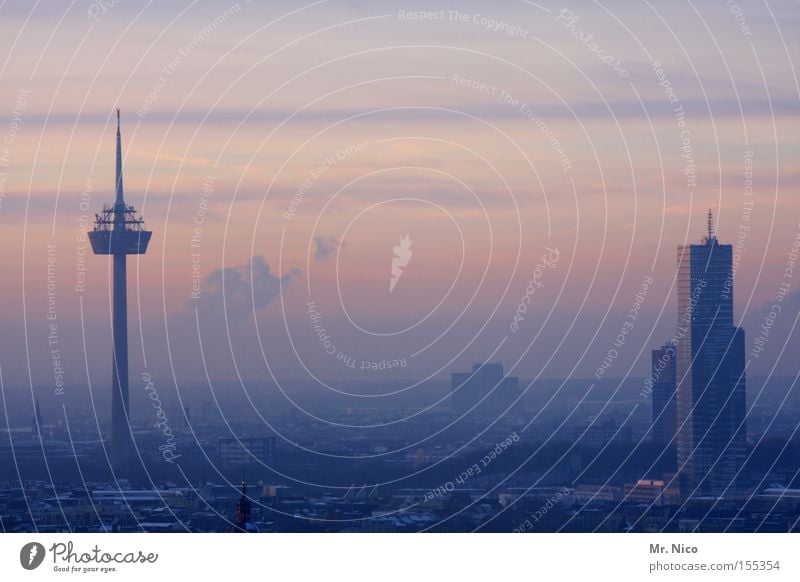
x=710, y=222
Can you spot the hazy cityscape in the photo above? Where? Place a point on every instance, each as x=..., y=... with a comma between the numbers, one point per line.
x=589, y=464
x=391, y=269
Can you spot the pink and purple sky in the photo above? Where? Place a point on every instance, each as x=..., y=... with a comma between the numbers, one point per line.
x=299, y=142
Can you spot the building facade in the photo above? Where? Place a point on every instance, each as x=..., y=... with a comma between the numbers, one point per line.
x=710, y=375
x=662, y=376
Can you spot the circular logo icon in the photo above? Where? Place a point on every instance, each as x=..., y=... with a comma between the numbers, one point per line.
x=31, y=555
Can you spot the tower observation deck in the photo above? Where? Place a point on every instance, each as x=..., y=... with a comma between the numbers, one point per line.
x=119, y=232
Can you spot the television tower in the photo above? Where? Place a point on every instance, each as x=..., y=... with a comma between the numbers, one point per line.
x=119, y=232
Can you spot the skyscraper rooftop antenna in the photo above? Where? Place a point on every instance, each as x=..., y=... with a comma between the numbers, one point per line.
x=710, y=220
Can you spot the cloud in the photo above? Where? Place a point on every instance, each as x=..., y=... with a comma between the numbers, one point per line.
x=324, y=247
x=241, y=290
x=718, y=106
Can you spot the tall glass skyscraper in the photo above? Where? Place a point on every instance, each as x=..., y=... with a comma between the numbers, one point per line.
x=662, y=377
x=710, y=372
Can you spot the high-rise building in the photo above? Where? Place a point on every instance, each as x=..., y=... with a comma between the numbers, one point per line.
x=662, y=376
x=709, y=370
x=238, y=452
x=485, y=390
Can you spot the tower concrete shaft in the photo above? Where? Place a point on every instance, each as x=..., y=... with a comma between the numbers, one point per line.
x=121, y=442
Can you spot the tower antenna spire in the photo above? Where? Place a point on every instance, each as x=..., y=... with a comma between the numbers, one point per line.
x=119, y=197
